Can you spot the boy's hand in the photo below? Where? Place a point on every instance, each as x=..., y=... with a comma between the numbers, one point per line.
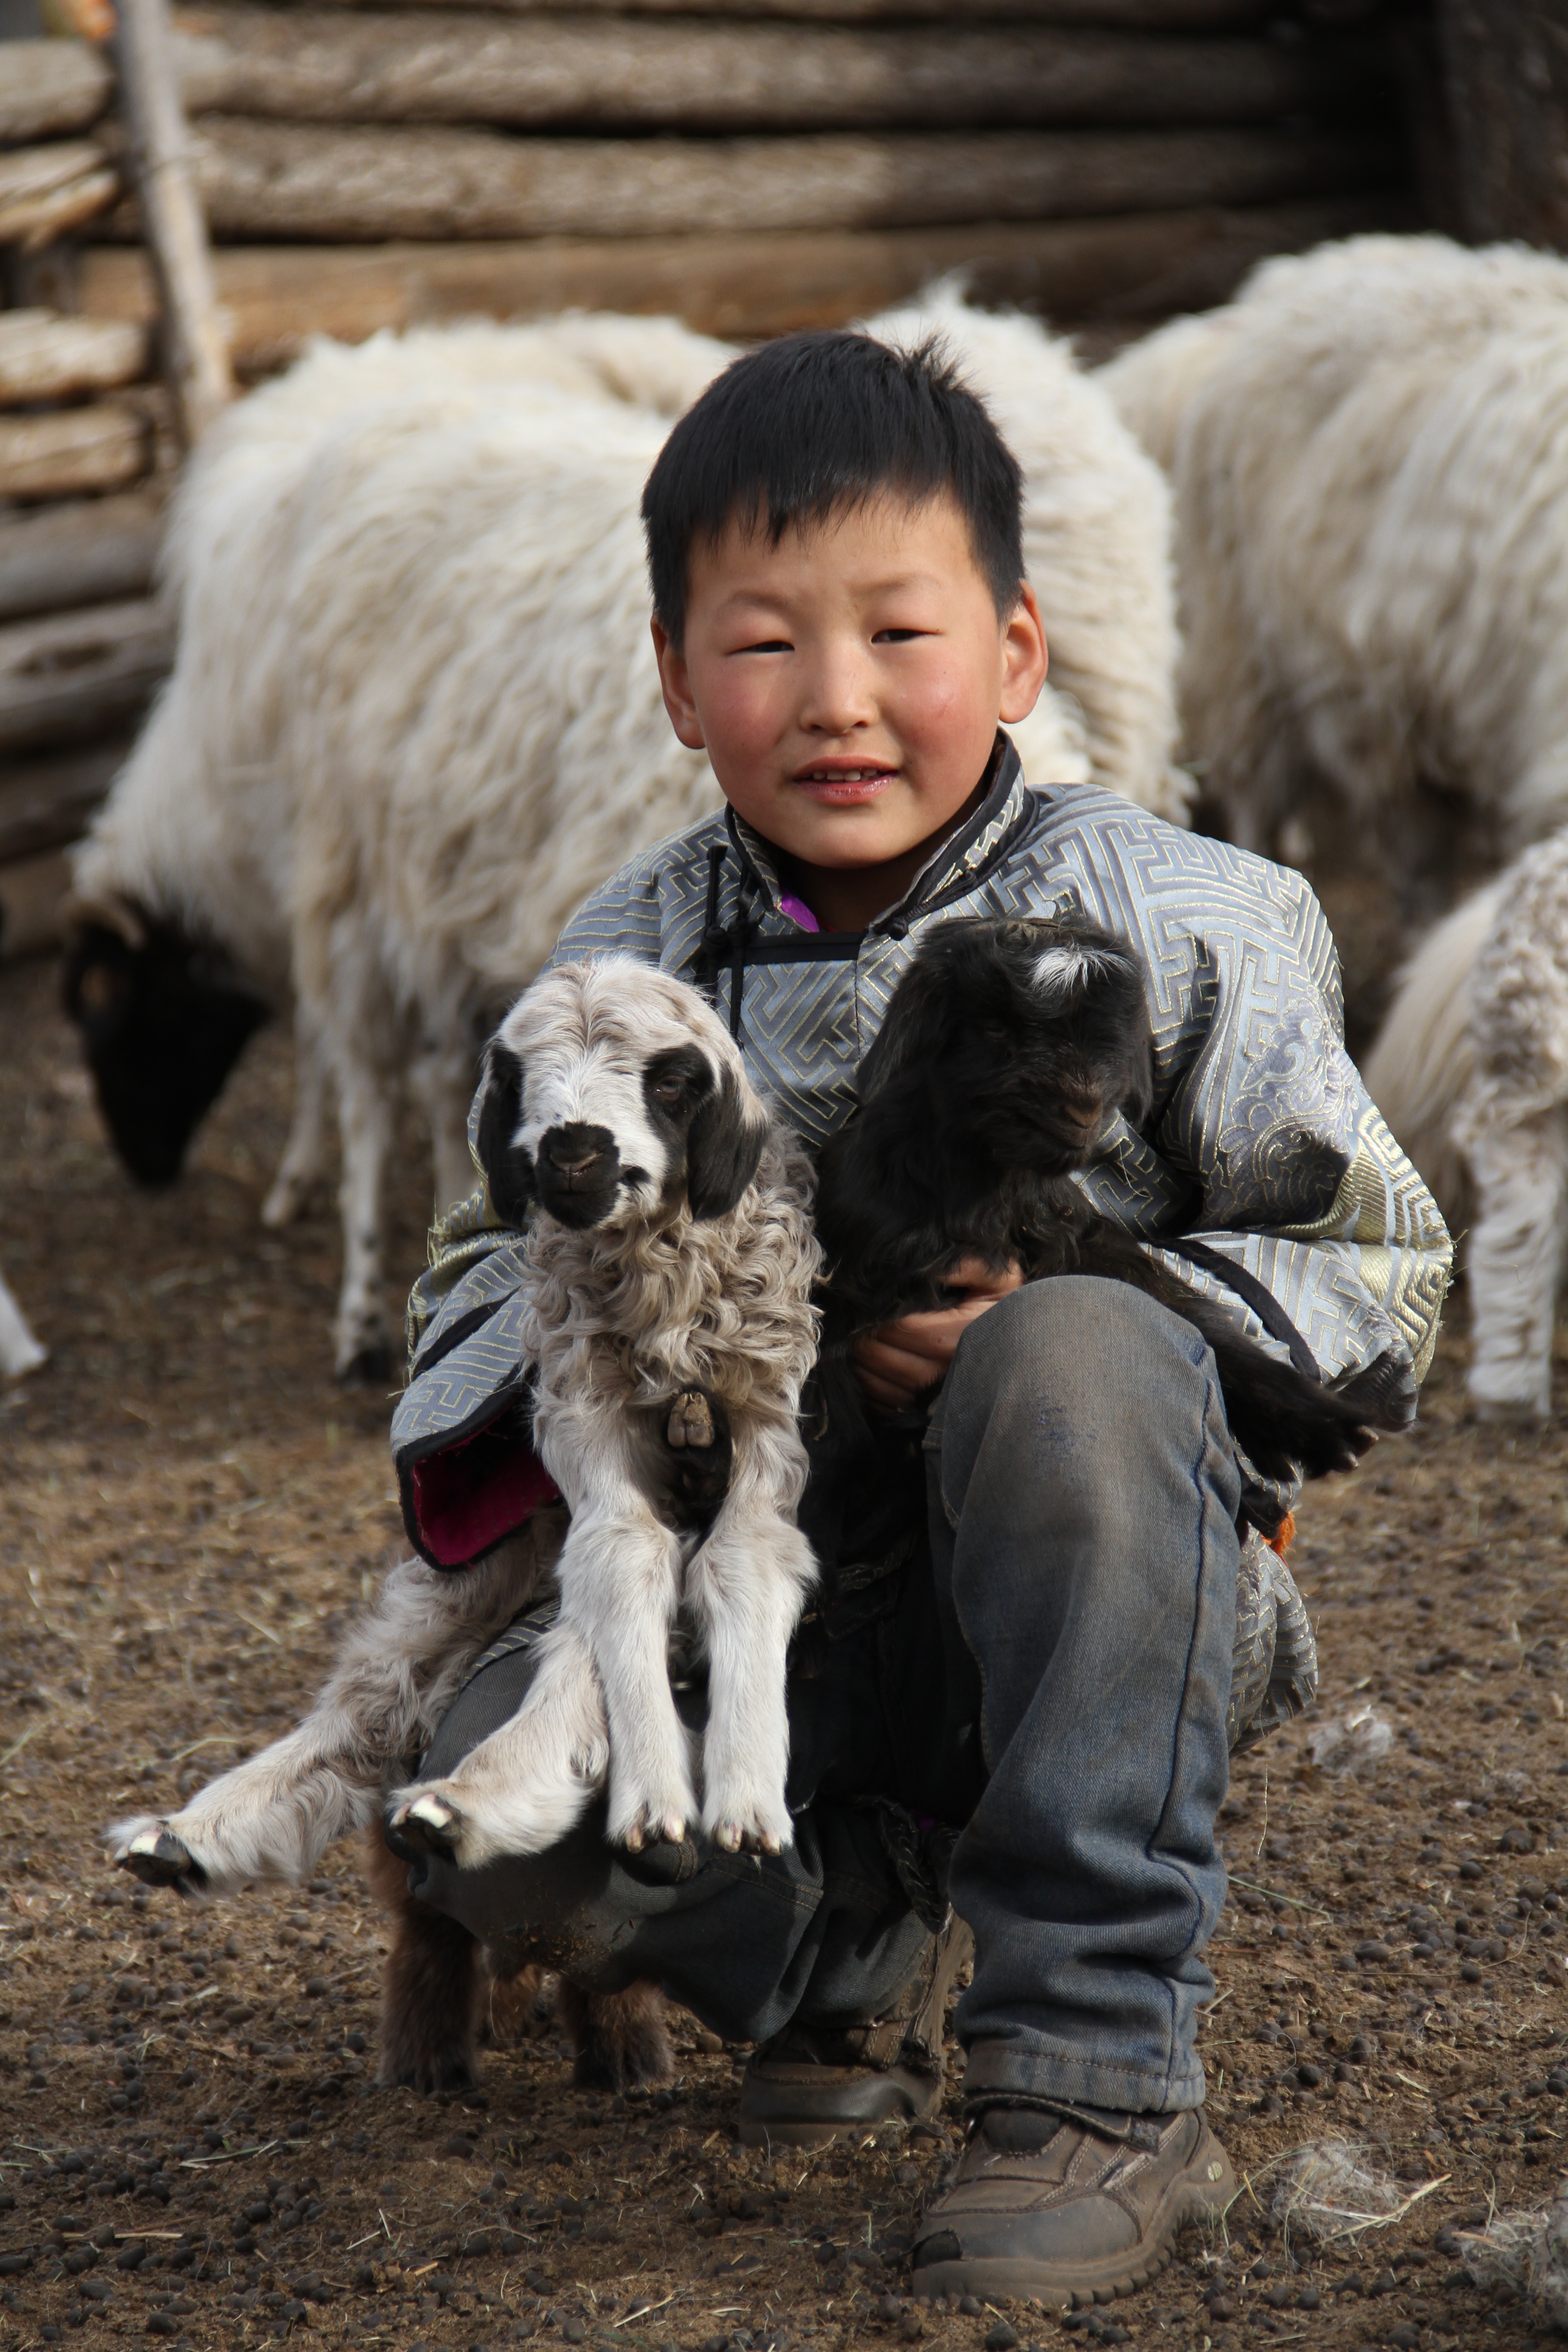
x=903, y=1361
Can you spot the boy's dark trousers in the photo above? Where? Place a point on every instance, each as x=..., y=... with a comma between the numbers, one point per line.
x=1049, y=1676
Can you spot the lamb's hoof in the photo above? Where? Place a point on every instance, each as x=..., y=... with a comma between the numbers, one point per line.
x=425, y=1825
x=741, y=1828
x=157, y=1858
x=690, y=1421
x=649, y=1826
x=369, y=1367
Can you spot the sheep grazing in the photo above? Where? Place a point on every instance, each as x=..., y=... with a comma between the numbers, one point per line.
x=414, y=716
x=1371, y=512
x=1010, y=1052
x=19, y=1351
x=272, y=1817
x=1473, y=1060
x=668, y=1272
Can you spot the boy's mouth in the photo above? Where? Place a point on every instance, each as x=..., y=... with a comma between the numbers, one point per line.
x=844, y=783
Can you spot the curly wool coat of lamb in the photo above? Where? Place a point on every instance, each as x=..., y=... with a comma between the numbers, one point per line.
x=669, y=1275
x=669, y=1268
x=415, y=715
x=1472, y=1068
x=1372, y=526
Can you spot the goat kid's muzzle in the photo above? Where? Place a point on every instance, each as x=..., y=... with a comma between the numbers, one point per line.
x=577, y=1170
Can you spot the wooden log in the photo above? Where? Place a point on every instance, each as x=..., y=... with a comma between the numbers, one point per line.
x=1144, y=15
x=300, y=181
x=51, y=88
x=45, y=804
x=328, y=65
x=47, y=190
x=194, y=353
x=44, y=356
x=275, y=296
x=85, y=551
x=33, y=896
x=104, y=447
x=1505, y=69
x=79, y=676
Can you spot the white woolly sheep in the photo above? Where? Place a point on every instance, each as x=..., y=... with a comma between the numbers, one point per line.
x=1371, y=505
x=669, y=1268
x=1472, y=1068
x=414, y=716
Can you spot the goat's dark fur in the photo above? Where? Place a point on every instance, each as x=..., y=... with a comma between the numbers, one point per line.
x=443, y=1991
x=1007, y=1050
x=162, y=1023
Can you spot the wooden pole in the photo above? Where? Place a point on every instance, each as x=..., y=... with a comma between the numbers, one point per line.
x=195, y=351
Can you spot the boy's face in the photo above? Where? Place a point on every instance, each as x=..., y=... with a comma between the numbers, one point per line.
x=847, y=683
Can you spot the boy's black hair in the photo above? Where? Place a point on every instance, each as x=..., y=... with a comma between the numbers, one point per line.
x=812, y=424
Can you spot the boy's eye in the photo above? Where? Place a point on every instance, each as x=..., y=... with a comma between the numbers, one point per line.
x=898, y=636
x=767, y=645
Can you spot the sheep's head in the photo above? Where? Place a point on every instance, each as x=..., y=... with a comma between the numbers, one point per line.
x=612, y=1093
x=162, y=1020
x=1021, y=1039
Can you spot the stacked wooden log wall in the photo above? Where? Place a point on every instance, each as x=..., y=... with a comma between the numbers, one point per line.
x=85, y=457
x=750, y=167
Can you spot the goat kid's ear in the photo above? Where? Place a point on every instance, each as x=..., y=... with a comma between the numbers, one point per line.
x=915, y=1027
x=509, y=1169
x=723, y=1145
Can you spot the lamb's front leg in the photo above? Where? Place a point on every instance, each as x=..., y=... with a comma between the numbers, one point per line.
x=274, y=1815
x=748, y=1585
x=599, y=1705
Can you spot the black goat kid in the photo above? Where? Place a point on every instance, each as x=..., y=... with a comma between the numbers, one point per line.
x=1009, y=1049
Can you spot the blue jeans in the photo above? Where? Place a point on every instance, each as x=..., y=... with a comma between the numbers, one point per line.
x=1050, y=1675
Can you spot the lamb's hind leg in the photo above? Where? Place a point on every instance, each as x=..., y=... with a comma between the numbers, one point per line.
x=272, y=1816
x=431, y=1987
x=364, y=1347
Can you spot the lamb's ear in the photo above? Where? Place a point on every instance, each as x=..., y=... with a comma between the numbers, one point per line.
x=509, y=1169
x=723, y=1146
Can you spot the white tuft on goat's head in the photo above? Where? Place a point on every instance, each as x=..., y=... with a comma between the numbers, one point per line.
x=612, y=1092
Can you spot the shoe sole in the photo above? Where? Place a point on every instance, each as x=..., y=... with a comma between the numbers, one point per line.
x=1188, y=2199
x=806, y=2131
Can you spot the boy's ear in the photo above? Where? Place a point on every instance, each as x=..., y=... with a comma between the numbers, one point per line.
x=675, y=683
x=509, y=1169
x=723, y=1146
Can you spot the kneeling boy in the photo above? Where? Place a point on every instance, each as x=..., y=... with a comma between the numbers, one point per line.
x=1027, y=1713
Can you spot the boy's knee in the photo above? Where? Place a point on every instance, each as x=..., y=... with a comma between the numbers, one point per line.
x=1083, y=1342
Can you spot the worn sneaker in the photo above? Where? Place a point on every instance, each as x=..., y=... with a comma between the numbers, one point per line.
x=1069, y=2204
x=812, y=2082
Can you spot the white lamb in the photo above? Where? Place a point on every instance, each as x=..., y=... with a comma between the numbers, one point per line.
x=1368, y=452
x=416, y=717
x=670, y=1272
x=1472, y=1068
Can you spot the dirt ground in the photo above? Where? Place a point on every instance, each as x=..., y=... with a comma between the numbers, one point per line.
x=191, y=2145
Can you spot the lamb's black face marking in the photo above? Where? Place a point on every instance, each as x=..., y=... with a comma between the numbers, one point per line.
x=578, y=1172
x=161, y=1026
x=508, y=1166
x=713, y=1147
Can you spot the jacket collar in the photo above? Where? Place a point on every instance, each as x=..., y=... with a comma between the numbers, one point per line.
x=952, y=869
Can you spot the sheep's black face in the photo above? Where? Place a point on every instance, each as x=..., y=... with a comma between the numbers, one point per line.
x=1018, y=1040
x=161, y=1025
